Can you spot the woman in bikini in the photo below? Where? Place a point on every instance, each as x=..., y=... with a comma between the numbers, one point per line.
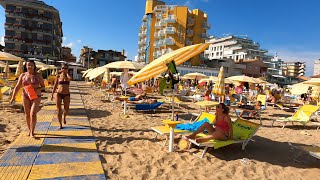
x=32, y=83
x=221, y=131
x=61, y=85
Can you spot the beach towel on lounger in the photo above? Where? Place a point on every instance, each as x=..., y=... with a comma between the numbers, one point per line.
x=192, y=126
x=148, y=106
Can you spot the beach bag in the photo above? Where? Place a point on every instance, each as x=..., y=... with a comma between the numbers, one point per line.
x=31, y=92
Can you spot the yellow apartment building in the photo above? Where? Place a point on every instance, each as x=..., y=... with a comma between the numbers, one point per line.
x=166, y=28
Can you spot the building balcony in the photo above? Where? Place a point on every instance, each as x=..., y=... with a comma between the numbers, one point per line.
x=159, y=43
x=190, y=22
x=160, y=8
x=189, y=32
x=205, y=36
x=158, y=25
x=169, y=41
x=166, y=51
x=188, y=42
x=171, y=19
x=158, y=15
x=206, y=25
x=170, y=30
x=144, y=24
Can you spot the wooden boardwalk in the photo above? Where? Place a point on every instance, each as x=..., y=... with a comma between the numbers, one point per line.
x=69, y=153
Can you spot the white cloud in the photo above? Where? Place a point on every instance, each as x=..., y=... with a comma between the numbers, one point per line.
x=64, y=39
x=2, y=41
x=79, y=41
x=188, y=3
x=68, y=45
x=303, y=56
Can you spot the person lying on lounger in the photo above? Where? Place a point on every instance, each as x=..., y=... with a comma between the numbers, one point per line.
x=252, y=110
x=222, y=130
x=144, y=101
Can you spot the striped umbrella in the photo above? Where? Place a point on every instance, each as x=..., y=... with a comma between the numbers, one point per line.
x=218, y=88
x=159, y=65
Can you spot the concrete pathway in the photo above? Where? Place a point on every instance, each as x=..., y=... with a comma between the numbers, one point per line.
x=70, y=153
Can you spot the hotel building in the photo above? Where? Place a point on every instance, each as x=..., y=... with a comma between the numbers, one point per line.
x=316, y=70
x=32, y=29
x=168, y=27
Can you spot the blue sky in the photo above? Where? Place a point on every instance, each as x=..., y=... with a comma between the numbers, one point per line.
x=289, y=27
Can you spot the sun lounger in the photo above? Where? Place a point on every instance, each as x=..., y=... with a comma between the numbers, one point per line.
x=165, y=130
x=17, y=101
x=302, y=115
x=243, y=131
x=145, y=106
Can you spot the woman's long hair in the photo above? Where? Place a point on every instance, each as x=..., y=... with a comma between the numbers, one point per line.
x=225, y=108
x=25, y=66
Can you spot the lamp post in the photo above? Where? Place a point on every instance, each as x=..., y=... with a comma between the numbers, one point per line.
x=89, y=58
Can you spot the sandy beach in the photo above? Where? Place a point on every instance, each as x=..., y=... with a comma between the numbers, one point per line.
x=128, y=151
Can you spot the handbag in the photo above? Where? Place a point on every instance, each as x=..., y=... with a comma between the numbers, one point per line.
x=30, y=92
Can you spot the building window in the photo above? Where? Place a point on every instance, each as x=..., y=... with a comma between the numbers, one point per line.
x=9, y=45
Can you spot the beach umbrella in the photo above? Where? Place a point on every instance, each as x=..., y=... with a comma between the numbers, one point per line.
x=211, y=78
x=2, y=64
x=19, y=69
x=300, y=88
x=195, y=75
x=106, y=77
x=124, y=65
x=86, y=72
x=96, y=72
x=242, y=78
x=6, y=70
x=218, y=88
x=159, y=65
x=53, y=72
x=9, y=57
x=313, y=81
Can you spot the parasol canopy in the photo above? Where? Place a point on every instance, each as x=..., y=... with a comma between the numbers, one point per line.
x=9, y=57
x=242, y=78
x=124, y=65
x=159, y=65
x=195, y=75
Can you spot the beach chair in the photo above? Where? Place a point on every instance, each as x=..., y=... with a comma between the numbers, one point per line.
x=312, y=150
x=145, y=106
x=302, y=115
x=165, y=130
x=243, y=131
x=17, y=101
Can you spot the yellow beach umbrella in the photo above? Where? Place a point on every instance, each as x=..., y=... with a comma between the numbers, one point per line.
x=19, y=69
x=159, y=65
x=242, y=78
x=313, y=81
x=211, y=78
x=86, y=72
x=6, y=70
x=195, y=75
x=106, y=76
x=96, y=72
x=218, y=88
x=9, y=57
x=124, y=65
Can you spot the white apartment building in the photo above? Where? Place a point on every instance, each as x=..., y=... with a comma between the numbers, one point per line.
x=316, y=69
x=236, y=48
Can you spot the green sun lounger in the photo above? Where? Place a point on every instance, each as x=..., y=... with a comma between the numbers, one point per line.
x=165, y=130
x=243, y=131
x=302, y=115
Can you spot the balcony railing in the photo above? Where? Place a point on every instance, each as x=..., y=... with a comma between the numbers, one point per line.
x=190, y=22
x=160, y=8
x=171, y=19
x=165, y=51
x=170, y=30
x=205, y=35
x=169, y=41
x=188, y=43
x=206, y=25
x=189, y=32
x=158, y=15
x=158, y=43
x=158, y=25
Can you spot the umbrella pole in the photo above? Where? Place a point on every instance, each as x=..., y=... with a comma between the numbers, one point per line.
x=172, y=103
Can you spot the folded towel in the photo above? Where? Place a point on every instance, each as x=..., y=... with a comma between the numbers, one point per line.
x=192, y=126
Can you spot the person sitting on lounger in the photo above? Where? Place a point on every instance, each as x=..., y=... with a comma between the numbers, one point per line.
x=252, y=110
x=222, y=130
